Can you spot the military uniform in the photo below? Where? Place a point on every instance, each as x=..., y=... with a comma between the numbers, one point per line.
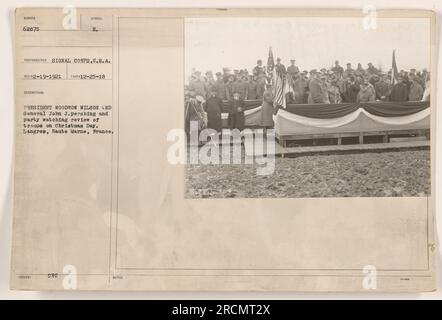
x=293, y=71
x=214, y=106
x=236, y=114
x=382, y=89
x=315, y=92
x=239, y=86
x=399, y=92
x=416, y=92
x=251, y=90
x=199, y=87
x=300, y=87
x=267, y=110
x=366, y=94
x=220, y=88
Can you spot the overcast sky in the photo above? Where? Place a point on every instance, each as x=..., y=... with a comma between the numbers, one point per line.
x=212, y=43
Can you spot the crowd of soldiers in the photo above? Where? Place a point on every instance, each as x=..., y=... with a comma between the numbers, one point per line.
x=332, y=85
x=207, y=96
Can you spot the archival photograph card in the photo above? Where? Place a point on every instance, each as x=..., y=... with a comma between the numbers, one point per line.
x=224, y=150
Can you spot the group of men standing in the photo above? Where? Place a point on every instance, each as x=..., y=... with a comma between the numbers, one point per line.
x=333, y=85
x=339, y=85
x=208, y=112
x=249, y=86
x=206, y=95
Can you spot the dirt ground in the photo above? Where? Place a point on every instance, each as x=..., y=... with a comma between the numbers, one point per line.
x=383, y=174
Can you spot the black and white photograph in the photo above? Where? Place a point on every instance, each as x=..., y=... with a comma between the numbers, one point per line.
x=307, y=107
x=285, y=151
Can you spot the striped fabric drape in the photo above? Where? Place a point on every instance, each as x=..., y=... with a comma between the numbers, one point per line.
x=278, y=90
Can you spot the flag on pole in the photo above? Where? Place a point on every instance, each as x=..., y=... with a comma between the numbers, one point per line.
x=394, y=72
x=277, y=82
x=270, y=60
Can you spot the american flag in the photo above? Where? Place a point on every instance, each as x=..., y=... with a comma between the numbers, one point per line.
x=277, y=82
x=278, y=90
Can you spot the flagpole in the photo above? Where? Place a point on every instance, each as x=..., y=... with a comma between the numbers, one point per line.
x=394, y=68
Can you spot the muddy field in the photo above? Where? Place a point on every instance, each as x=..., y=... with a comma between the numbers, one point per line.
x=385, y=174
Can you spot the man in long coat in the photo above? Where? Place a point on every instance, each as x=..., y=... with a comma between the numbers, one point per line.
x=382, y=88
x=366, y=93
x=239, y=86
x=220, y=87
x=399, y=92
x=214, y=107
x=416, y=91
x=252, y=88
x=316, y=94
x=261, y=85
x=351, y=90
x=300, y=87
x=236, y=112
x=267, y=110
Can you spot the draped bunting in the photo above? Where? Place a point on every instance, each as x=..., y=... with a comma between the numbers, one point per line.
x=395, y=109
x=287, y=123
x=328, y=111
x=318, y=123
x=322, y=111
x=401, y=120
x=342, y=121
x=358, y=120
